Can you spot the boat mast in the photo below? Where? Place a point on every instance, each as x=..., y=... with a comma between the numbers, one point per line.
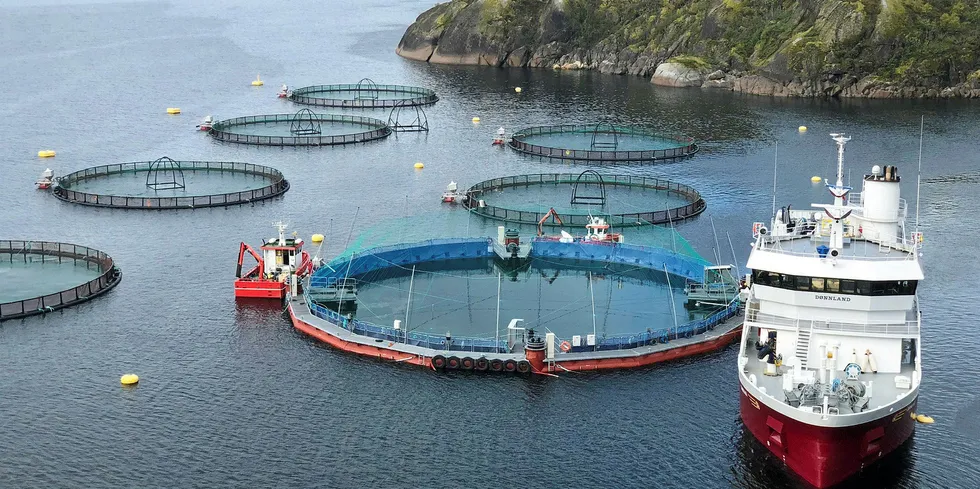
x=839, y=193
x=670, y=293
x=592, y=295
x=775, y=161
x=918, y=177
x=496, y=342
x=408, y=307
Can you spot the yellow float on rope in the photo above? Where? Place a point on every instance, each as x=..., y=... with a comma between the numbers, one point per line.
x=815, y=179
x=257, y=82
x=922, y=418
x=173, y=110
x=802, y=129
x=317, y=238
x=517, y=89
x=47, y=153
x=476, y=120
x=419, y=166
x=129, y=379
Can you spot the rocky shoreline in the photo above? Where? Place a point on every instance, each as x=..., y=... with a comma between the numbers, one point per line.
x=452, y=33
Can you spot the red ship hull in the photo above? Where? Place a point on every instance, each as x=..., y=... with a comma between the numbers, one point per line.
x=263, y=289
x=825, y=456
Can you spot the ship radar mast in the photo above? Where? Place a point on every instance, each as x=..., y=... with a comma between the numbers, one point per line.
x=281, y=226
x=839, y=191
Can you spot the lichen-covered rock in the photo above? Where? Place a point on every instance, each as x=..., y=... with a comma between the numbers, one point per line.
x=421, y=38
x=677, y=75
x=827, y=48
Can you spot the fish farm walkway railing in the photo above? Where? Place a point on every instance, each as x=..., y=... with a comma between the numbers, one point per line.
x=413, y=96
x=109, y=275
x=278, y=186
x=222, y=130
x=443, y=249
x=685, y=145
x=696, y=206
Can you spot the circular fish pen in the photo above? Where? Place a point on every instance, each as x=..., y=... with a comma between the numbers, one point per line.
x=168, y=184
x=456, y=303
x=571, y=199
x=42, y=276
x=600, y=142
x=365, y=94
x=304, y=128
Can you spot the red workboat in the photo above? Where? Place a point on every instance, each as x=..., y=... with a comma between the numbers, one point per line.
x=46, y=179
x=829, y=363
x=280, y=260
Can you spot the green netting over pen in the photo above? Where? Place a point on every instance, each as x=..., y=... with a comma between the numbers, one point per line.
x=460, y=223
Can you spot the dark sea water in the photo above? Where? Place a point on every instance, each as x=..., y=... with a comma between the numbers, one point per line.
x=231, y=396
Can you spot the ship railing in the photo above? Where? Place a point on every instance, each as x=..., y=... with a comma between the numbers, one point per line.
x=908, y=247
x=871, y=328
x=493, y=345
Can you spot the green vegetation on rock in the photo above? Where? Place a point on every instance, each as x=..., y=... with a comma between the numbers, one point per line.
x=816, y=43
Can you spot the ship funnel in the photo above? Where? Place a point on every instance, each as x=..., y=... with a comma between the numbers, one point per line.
x=882, y=203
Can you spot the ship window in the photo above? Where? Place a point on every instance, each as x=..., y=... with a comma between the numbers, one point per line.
x=816, y=284
x=802, y=283
x=833, y=285
x=788, y=281
x=878, y=288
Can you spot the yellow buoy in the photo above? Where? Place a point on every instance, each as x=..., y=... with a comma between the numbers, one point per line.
x=419, y=166
x=173, y=110
x=922, y=418
x=802, y=128
x=517, y=89
x=476, y=120
x=815, y=179
x=257, y=82
x=129, y=379
x=47, y=153
x=317, y=238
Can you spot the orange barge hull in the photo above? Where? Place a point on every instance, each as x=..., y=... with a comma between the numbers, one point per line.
x=365, y=350
x=384, y=352
x=677, y=353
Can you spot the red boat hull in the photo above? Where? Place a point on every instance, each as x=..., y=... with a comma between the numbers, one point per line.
x=825, y=456
x=263, y=289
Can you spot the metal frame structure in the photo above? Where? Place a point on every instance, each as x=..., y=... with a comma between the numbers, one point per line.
x=305, y=123
x=604, y=144
x=599, y=200
x=366, y=90
x=166, y=174
x=420, y=123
